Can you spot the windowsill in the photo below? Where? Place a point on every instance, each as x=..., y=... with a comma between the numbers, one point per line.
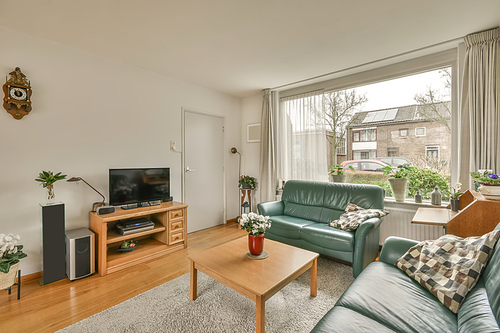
x=410, y=202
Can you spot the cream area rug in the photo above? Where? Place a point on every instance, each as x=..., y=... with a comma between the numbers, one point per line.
x=167, y=308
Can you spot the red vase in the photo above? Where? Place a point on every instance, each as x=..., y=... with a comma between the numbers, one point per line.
x=256, y=244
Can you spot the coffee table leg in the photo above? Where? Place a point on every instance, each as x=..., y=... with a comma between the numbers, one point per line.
x=260, y=320
x=314, y=278
x=194, y=282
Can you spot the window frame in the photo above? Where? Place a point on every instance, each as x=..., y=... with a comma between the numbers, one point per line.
x=421, y=135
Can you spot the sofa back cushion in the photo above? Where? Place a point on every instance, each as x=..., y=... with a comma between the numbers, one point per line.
x=491, y=277
x=324, y=202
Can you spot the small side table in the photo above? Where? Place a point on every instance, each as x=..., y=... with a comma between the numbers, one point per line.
x=246, y=193
x=433, y=216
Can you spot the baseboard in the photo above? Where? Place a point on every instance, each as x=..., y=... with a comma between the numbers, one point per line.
x=30, y=277
x=235, y=220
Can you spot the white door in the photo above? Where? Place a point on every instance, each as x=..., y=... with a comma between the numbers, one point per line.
x=203, y=170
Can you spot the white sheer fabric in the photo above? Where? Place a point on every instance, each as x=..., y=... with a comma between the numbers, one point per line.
x=302, y=145
x=480, y=106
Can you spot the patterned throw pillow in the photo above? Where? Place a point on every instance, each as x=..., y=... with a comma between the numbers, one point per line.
x=450, y=266
x=354, y=216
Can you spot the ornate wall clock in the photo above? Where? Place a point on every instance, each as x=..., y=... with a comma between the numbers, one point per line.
x=17, y=90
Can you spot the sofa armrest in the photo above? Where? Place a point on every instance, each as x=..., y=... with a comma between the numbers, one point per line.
x=394, y=248
x=366, y=244
x=271, y=208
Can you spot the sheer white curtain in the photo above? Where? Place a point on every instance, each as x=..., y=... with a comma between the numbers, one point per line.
x=301, y=136
x=480, y=105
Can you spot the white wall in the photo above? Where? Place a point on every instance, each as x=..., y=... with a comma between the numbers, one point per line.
x=250, y=151
x=91, y=114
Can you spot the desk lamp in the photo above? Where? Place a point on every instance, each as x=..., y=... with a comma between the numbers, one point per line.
x=95, y=204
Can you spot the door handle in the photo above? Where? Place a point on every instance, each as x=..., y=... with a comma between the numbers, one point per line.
x=189, y=170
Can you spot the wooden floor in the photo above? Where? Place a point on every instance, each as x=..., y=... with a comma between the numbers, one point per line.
x=59, y=304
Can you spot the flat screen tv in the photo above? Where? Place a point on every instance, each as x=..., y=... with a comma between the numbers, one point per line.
x=131, y=186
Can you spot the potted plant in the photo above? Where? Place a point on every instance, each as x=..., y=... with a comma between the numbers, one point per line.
x=247, y=182
x=256, y=226
x=490, y=184
x=10, y=254
x=47, y=180
x=455, y=197
x=337, y=173
x=398, y=180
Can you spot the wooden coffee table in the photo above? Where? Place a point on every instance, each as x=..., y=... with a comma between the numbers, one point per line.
x=256, y=279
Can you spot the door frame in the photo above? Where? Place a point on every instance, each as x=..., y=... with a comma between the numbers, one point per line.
x=224, y=157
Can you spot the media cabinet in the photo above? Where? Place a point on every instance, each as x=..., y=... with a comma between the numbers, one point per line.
x=168, y=235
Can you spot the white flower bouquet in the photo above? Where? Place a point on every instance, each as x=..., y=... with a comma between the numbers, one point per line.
x=10, y=252
x=255, y=224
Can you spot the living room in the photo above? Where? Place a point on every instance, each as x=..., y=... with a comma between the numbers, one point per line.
x=108, y=94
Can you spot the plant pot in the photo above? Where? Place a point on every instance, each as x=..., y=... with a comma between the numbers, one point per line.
x=256, y=244
x=490, y=192
x=8, y=279
x=398, y=186
x=246, y=186
x=338, y=178
x=454, y=204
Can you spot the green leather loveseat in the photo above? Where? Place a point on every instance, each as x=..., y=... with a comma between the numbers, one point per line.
x=303, y=215
x=383, y=298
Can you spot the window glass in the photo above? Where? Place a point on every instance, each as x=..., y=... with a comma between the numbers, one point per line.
x=403, y=132
x=355, y=166
x=356, y=136
x=420, y=131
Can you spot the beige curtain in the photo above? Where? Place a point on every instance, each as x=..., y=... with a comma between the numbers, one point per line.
x=480, y=105
x=267, y=182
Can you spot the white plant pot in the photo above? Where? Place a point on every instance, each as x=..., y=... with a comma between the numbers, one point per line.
x=398, y=186
x=338, y=178
x=490, y=192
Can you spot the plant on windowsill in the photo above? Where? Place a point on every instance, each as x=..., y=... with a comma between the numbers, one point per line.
x=247, y=182
x=398, y=180
x=337, y=173
x=47, y=180
x=490, y=184
x=10, y=254
x=455, y=197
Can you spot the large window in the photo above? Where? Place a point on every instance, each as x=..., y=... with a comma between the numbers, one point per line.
x=406, y=119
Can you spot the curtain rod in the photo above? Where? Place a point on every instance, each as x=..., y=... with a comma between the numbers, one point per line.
x=368, y=63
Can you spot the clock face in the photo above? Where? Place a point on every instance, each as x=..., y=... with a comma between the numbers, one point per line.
x=19, y=94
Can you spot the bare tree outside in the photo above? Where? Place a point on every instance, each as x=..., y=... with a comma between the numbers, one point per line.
x=431, y=106
x=339, y=108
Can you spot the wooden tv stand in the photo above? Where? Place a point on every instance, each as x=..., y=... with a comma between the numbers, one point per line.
x=168, y=235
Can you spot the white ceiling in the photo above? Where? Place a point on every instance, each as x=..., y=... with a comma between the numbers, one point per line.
x=242, y=46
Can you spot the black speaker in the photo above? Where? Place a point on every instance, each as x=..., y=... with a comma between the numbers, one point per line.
x=80, y=257
x=105, y=210
x=53, y=261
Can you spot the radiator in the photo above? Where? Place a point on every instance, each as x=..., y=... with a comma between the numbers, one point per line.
x=398, y=223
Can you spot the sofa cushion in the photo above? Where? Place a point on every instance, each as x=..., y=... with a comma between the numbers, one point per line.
x=450, y=266
x=335, y=322
x=351, y=220
x=325, y=236
x=389, y=296
x=475, y=314
x=287, y=226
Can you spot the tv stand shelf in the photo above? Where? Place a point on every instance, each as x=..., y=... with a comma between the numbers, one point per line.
x=168, y=235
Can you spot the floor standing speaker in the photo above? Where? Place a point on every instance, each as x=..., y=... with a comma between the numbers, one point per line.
x=80, y=257
x=53, y=247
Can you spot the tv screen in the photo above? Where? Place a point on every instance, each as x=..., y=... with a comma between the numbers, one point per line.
x=127, y=186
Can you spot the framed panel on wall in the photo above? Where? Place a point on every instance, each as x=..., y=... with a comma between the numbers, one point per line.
x=253, y=132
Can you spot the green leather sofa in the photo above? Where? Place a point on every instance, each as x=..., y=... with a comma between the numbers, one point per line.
x=303, y=215
x=385, y=299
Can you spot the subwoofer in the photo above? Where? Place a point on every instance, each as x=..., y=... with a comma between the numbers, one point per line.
x=80, y=255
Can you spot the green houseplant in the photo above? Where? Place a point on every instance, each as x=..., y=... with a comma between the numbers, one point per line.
x=247, y=182
x=10, y=254
x=398, y=180
x=337, y=173
x=47, y=180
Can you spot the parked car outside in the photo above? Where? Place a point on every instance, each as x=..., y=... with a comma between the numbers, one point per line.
x=394, y=161
x=364, y=166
